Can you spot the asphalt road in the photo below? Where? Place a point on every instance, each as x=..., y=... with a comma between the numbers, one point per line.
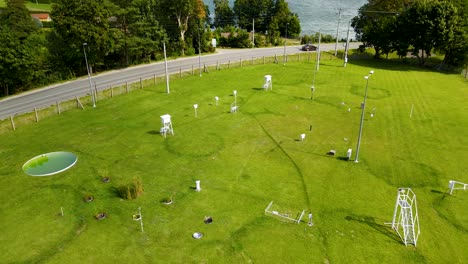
x=26, y=102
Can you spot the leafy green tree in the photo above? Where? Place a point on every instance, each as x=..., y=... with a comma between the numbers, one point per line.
x=456, y=45
x=181, y=11
x=375, y=24
x=430, y=25
x=78, y=22
x=140, y=36
x=224, y=16
x=286, y=20
x=21, y=49
x=246, y=11
x=16, y=18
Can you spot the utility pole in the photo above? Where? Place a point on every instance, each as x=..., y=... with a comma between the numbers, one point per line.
x=253, y=32
x=89, y=75
x=165, y=63
x=347, y=45
x=318, y=50
x=199, y=52
x=337, y=30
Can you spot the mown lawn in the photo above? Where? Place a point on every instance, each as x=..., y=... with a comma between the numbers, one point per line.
x=32, y=6
x=245, y=160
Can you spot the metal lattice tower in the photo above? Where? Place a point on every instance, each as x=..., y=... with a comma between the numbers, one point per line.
x=455, y=185
x=405, y=217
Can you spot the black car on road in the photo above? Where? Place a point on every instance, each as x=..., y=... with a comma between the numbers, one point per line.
x=309, y=47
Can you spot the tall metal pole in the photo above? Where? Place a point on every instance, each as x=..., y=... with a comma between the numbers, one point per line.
x=89, y=75
x=337, y=29
x=199, y=53
x=318, y=50
x=165, y=63
x=362, y=117
x=286, y=36
x=312, y=88
x=253, y=32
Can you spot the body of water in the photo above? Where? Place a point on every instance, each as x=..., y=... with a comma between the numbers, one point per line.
x=321, y=15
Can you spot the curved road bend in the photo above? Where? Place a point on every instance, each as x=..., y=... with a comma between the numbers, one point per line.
x=25, y=102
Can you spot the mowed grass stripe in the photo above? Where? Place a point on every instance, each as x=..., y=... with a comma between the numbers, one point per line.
x=242, y=169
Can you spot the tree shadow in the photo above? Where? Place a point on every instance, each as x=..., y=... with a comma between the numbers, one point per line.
x=381, y=228
x=393, y=64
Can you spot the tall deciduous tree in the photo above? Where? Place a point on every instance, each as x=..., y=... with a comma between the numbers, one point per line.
x=141, y=34
x=224, y=16
x=287, y=21
x=246, y=11
x=431, y=25
x=78, y=22
x=182, y=11
x=20, y=49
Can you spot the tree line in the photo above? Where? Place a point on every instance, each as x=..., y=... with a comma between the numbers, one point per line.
x=416, y=27
x=119, y=33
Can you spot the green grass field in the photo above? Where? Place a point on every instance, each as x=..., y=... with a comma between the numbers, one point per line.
x=245, y=160
x=32, y=6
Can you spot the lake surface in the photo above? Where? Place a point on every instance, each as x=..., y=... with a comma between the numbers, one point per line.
x=321, y=15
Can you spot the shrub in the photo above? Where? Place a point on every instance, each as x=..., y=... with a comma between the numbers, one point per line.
x=131, y=190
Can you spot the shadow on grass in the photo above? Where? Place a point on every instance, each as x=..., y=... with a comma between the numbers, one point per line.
x=395, y=64
x=153, y=132
x=381, y=228
x=343, y=158
x=258, y=89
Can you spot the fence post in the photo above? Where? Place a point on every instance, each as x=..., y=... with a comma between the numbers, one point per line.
x=12, y=123
x=154, y=79
x=35, y=113
x=141, y=84
x=58, y=107
x=229, y=64
x=79, y=103
x=180, y=71
x=112, y=91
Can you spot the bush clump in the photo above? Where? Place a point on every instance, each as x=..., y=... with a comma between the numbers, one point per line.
x=131, y=190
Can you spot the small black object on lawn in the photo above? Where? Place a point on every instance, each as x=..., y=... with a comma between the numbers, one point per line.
x=100, y=216
x=208, y=220
x=105, y=179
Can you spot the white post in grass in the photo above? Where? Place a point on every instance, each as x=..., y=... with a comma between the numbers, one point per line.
x=235, y=97
x=216, y=100
x=61, y=210
x=195, y=107
x=141, y=219
x=198, y=188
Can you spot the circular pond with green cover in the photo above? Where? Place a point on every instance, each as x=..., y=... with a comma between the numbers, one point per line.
x=50, y=163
